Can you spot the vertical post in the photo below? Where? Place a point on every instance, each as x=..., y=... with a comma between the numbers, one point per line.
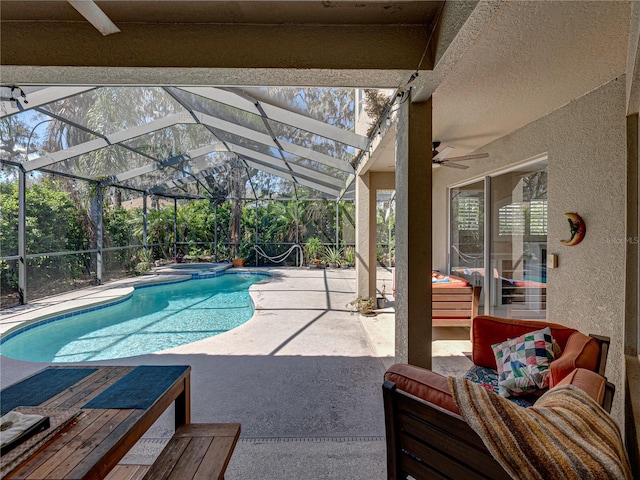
x=22, y=237
x=99, y=228
x=215, y=231
x=389, y=233
x=255, y=241
x=632, y=283
x=488, y=285
x=144, y=222
x=337, y=225
x=175, y=227
x=363, y=236
x=413, y=234
x=298, y=253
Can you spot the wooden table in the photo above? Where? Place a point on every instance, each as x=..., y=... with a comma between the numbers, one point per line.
x=91, y=446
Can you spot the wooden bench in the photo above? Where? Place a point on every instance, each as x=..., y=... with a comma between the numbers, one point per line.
x=196, y=451
x=454, y=307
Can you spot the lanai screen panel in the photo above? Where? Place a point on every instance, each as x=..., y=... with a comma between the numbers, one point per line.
x=300, y=140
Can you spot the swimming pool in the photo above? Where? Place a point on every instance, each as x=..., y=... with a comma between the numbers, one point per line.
x=154, y=318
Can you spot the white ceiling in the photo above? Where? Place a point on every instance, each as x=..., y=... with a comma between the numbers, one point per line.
x=531, y=59
x=528, y=60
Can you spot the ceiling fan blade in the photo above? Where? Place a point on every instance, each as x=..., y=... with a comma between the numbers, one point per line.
x=442, y=154
x=467, y=157
x=453, y=165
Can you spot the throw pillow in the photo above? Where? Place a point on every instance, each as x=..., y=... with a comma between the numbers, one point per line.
x=523, y=362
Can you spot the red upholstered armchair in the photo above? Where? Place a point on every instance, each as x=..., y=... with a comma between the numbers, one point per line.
x=426, y=436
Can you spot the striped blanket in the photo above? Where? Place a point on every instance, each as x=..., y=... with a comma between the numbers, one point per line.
x=565, y=435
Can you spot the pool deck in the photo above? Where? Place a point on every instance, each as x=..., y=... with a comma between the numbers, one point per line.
x=303, y=376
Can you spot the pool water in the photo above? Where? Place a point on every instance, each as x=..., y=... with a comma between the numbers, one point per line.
x=155, y=318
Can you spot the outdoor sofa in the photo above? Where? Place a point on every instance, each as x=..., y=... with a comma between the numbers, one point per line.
x=426, y=435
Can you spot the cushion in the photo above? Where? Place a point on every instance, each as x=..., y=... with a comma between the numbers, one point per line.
x=580, y=351
x=487, y=330
x=588, y=381
x=488, y=378
x=422, y=383
x=523, y=362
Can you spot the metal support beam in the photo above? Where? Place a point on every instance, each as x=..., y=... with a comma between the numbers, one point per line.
x=255, y=242
x=22, y=237
x=99, y=228
x=144, y=222
x=215, y=231
x=175, y=227
x=337, y=224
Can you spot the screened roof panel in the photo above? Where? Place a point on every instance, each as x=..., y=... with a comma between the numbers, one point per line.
x=220, y=110
x=40, y=134
x=289, y=141
x=312, y=141
x=174, y=140
x=334, y=106
x=110, y=109
x=313, y=165
x=101, y=163
x=230, y=138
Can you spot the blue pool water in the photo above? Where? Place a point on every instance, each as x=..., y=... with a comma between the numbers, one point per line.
x=154, y=318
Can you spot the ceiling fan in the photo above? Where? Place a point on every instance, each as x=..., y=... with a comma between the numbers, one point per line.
x=440, y=157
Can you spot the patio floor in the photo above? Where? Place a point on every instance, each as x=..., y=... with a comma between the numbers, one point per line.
x=303, y=377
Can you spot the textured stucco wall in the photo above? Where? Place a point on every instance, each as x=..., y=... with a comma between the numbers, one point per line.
x=586, y=146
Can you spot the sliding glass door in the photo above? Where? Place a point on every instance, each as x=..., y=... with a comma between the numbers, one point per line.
x=503, y=232
x=466, y=255
x=519, y=244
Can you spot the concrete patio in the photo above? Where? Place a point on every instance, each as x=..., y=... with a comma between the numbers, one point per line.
x=303, y=377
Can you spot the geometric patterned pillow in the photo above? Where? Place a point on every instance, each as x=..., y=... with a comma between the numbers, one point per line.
x=523, y=362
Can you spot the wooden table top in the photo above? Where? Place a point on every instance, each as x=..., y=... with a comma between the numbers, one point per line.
x=99, y=437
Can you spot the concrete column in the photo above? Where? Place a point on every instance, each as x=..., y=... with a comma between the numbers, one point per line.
x=367, y=186
x=413, y=234
x=363, y=235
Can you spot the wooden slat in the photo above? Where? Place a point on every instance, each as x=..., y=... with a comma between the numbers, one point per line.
x=216, y=460
x=89, y=387
x=104, y=450
x=64, y=444
x=128, y=472
x=196, y=451
x=168, y=458
x=463, y=306
x=450, y=467
x=65, y=466
x=190, y=460
x=451, y=322
x=426, y=441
